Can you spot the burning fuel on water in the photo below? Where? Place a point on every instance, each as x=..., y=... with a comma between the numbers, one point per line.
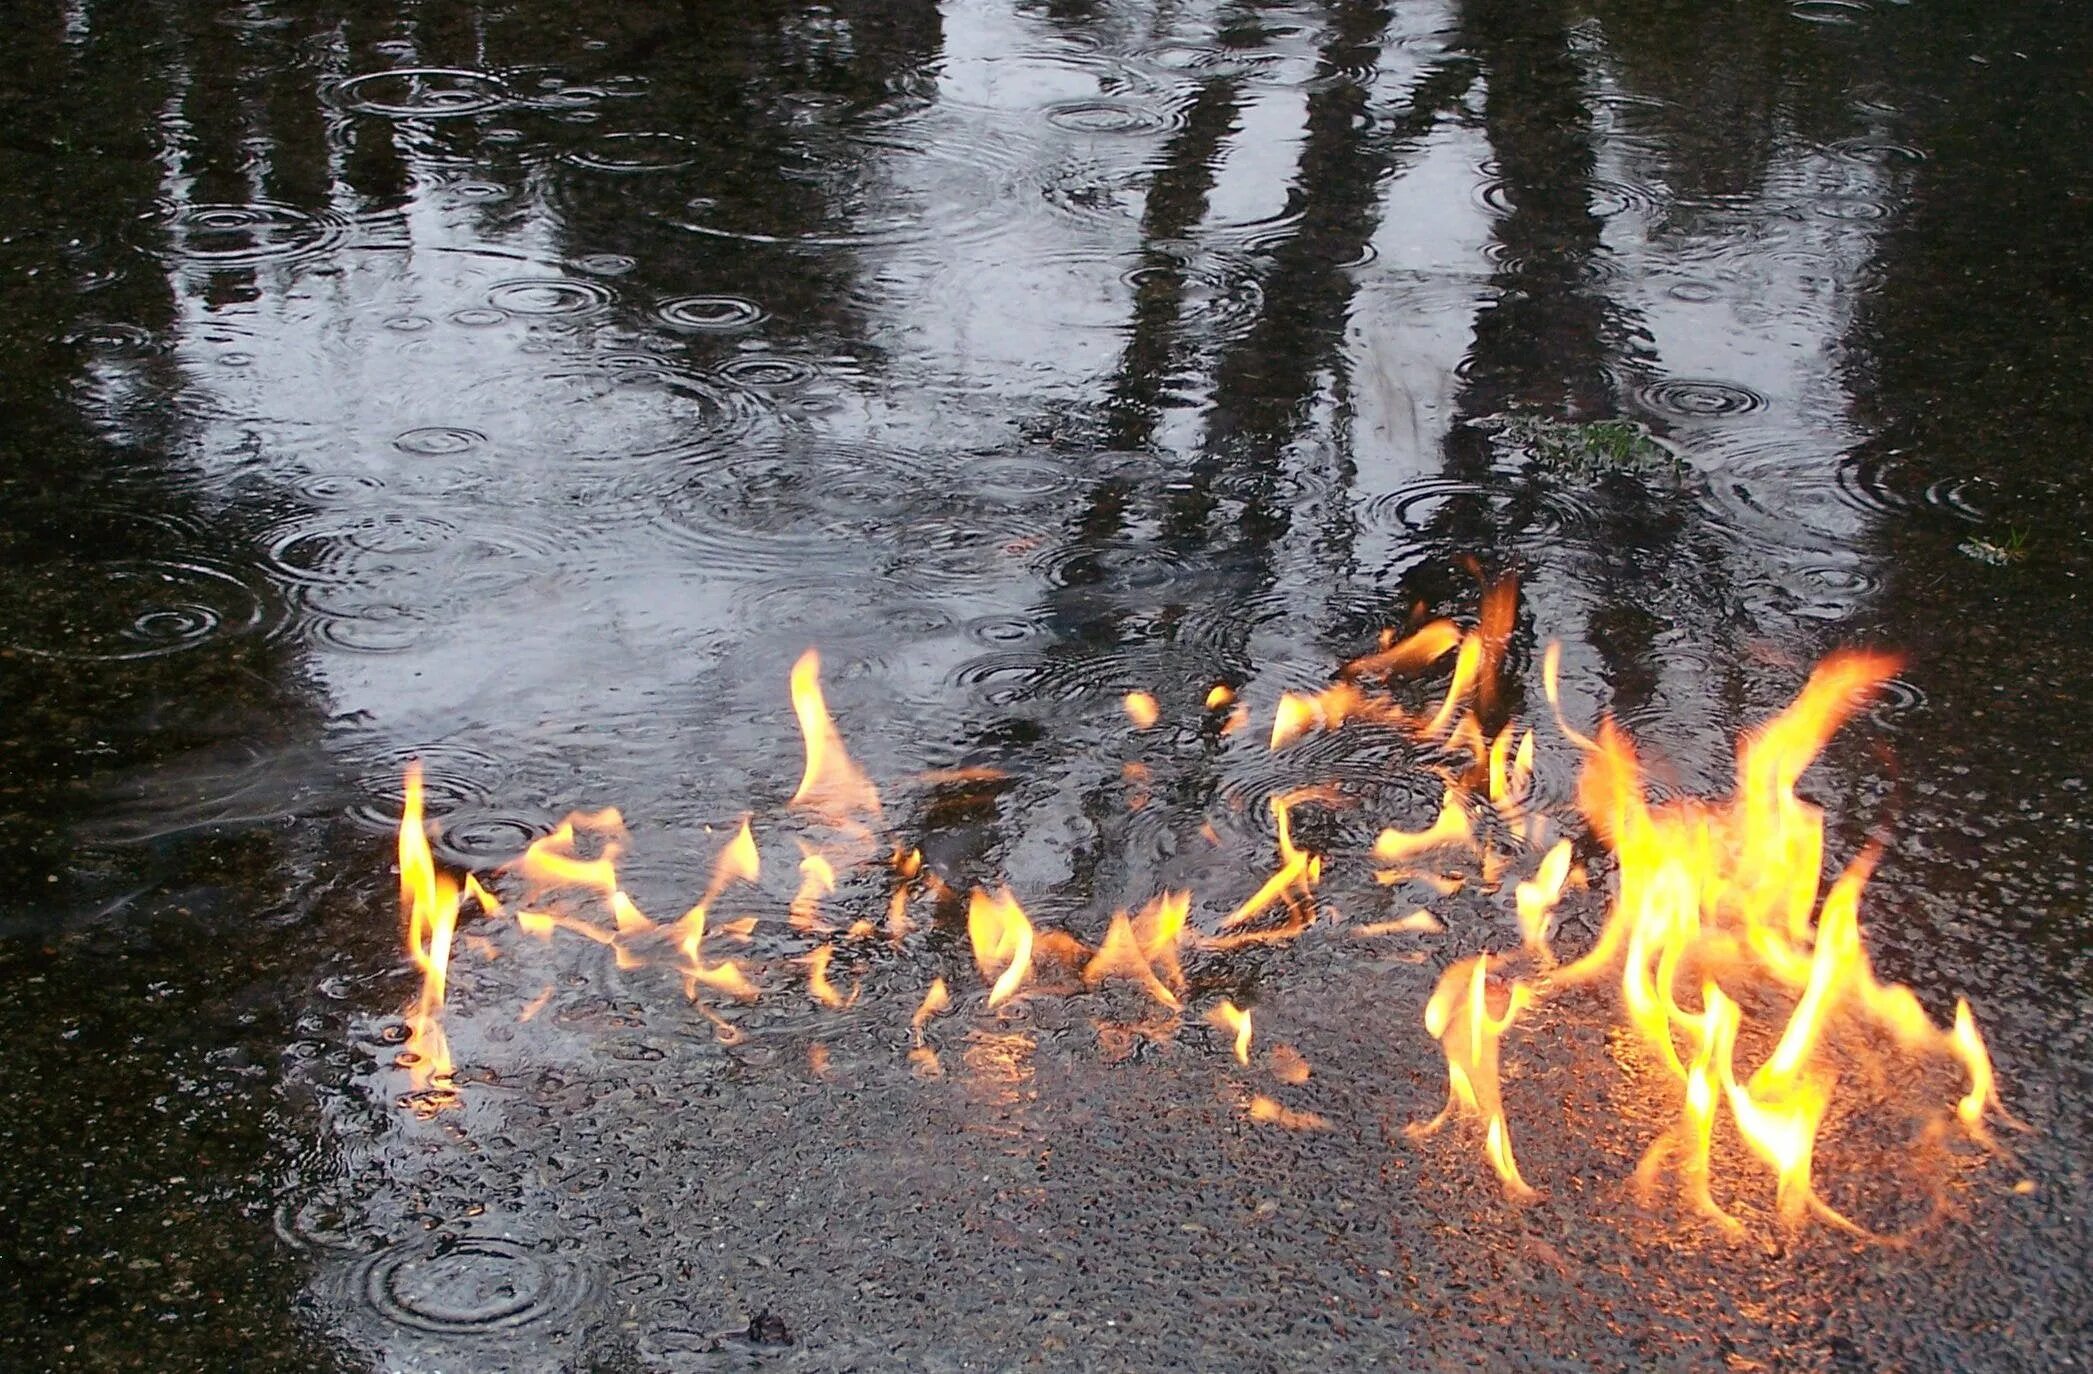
x=1720, y=932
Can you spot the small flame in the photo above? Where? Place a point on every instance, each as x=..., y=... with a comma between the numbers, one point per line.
x=1536, y=898
x=1300, y=713
x=1264, y=1109
x=1141, y=709
x=1412, y=654
x=832, y=787
x=1002, y=939
x=817, y=879
x=1293, y=884
x=935, y=1001
x=431, y=900
x=818, y=985
x=1418, y=922
x=738, y=862
x=1450, y=830
x=907, y=865
x=1233, y=1020
x=1143, y=950
x=1219, y=695
x=1459, y=1017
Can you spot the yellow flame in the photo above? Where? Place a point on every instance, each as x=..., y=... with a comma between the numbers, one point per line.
x=818, y=985
x=1264, y=1109
x=1710, y=900
x=831, y=787
x=1459, y=1017
x=1412, y=654
x=817, y=879
x=1002, y=939
x=1292, y=884
x=1450, y=829
x=431, y=902
x=1536, y=898
x=1141, y=709
x=1233, y=1020
x=1143, y=950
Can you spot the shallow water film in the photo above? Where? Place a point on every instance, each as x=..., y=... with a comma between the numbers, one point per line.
x=520, y=390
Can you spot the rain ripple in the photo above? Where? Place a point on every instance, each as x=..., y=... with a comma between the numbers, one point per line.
x=422, y=93
x=476, y=1285
x=122, y=609
x=252, y=235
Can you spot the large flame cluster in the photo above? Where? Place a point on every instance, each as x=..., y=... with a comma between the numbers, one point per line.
x=1718, y=909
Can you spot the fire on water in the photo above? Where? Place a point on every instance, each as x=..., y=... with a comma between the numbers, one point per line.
x=1717, y=909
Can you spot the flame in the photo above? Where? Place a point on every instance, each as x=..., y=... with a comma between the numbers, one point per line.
x=1002, y=939
x=1293, y=884
x=1264, y=1109
x=1536, y=898
x=1141, y=709
x=935, y=1000
x=1301, y=713
x=737, y=863
x=1133, y=948
x=817, y=879
x=1459, y=1017
x=1450, y=830
x=832, y=787
x=1219, y=695
x=818, y=986
x=1418, y=922
x=1233, y=1020
x=1412, y=654
x=431, y=900
x=1718, y=904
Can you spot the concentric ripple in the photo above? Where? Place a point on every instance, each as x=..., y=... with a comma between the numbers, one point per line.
x=709, y=314
x=474, y=1285
x=549, y=296
x=1108, y=117
x=437, y=441
x=1429, y=505
x=768, y=371
x=251, y=235
x=455, y=778
x=422, y=93
x=614, y=408
x=1216, y=293
x=478, y=839
x=1700, y=398
x=636, y=151
x=125, y=608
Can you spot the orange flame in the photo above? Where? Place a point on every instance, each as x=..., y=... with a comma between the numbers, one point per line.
x=1293, y=884
x=1134, y=949
x=1450, y=830
x=1412, y=654
x=1141, y=709
x=1264, y=1109
x=1712, y=899
x=832, y=787
x=818, y=985
x=935, y=1000
x=737, y=863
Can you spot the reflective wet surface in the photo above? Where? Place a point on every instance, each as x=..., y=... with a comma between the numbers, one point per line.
x=521, y=389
